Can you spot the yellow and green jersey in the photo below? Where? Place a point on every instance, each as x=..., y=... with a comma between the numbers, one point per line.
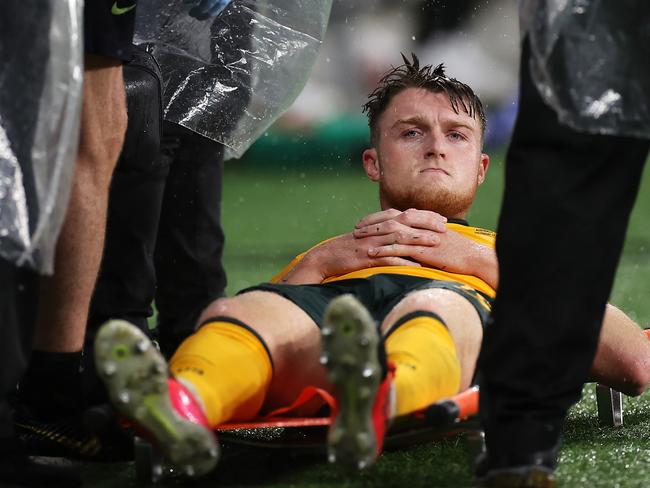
x=478, y=235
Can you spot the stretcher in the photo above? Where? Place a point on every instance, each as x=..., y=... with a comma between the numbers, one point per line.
x=280, y=430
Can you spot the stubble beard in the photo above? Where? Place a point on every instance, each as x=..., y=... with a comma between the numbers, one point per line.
x=440, y=200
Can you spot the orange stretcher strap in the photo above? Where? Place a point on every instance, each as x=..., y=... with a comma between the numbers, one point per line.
x=647, y=333
x=458, y=407
x=281, y=417
x=467, y=402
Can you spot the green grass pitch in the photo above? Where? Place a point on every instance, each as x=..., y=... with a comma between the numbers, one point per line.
x=269, y=216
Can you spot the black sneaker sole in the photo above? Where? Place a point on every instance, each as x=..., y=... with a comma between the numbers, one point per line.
x=523, y=477
x=349, y=342
x=135, y=375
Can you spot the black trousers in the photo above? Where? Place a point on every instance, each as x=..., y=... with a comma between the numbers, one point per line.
x=566, y=207
x=164, y=240
x=190, y=242
x=18, y=300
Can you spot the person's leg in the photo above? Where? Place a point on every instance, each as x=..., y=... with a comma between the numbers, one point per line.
x=289, y=336
x=434, y=337
x=566, y=205
x=429, y=352
x=64, y=297
x=126, y=283
x=189, y=248
x=244, y=357
x=622, y=358
x=191, y=240
x=18, y=296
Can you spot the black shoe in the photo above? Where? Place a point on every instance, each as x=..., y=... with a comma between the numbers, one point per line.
x=94, y=436
x=533, y=471
x=17, y=470
x=519, y=477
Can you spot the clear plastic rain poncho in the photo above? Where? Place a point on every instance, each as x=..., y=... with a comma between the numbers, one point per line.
x=230, y=77
x=590, y=60
x=40, y=95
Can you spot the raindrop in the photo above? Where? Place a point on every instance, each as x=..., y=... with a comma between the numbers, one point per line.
x=109, y=368
x=123, y=397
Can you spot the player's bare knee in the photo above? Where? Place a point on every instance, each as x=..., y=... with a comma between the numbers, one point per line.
x=421, y=300
x=222, y=307
x=244, y=308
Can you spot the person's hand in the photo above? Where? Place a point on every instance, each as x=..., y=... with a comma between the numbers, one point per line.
x=409, y=228
x=348, y=253
x=342, y=255
x=417, y=234
x=204, y=9
x=351, y=252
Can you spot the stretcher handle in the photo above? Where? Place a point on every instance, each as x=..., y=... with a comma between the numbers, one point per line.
x=453, y=409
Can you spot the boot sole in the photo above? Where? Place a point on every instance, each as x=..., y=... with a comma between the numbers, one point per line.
x=135, y=375
x=349, y=341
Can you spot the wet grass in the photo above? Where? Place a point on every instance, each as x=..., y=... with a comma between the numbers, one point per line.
x=269, y=216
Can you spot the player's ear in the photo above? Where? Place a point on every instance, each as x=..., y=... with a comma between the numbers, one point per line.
x=371, y=164
x=484, y=163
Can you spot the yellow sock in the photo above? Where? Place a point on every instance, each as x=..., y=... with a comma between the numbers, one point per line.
x=229, y=368
x=427, y=367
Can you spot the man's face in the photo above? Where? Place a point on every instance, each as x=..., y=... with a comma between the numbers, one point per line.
x=427, y=156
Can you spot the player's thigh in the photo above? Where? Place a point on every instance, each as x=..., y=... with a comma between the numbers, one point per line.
x=458, y=313
x=292, y=338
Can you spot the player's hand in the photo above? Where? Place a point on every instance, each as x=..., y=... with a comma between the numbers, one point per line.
x=454, y=253
x=205, y=9
x=346, y=253
x=423, y=236
x=342, y=255
x=411, y=227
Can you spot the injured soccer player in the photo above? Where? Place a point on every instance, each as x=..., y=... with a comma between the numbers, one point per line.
x=388, y=318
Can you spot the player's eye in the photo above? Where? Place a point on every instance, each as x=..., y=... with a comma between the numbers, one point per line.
x=411, y=133
x=456, y=136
